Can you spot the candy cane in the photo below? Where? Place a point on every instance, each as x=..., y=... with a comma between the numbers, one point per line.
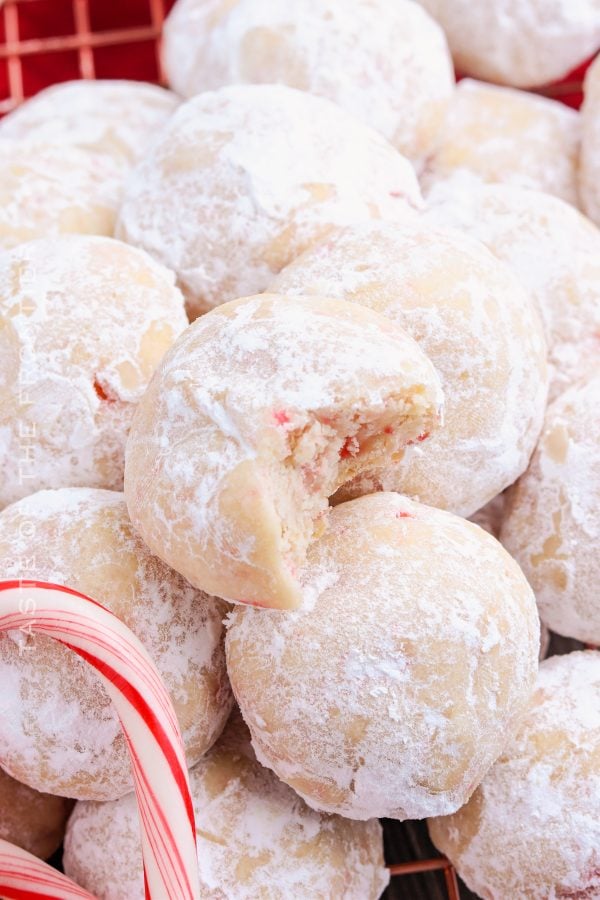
x=147, y=717
x=25, y=877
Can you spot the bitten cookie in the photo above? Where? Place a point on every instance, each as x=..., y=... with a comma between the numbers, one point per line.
x=262, y=409
x=477, y=326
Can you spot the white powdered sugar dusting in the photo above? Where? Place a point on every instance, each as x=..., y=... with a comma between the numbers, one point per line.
x=60, y=732
x=496, y=134
x=242, y=179
x=532, y=828
x=524, y=43
x=554, y=252
x=476, y=324
x=589, y=169
x=397, y=690
x=255, y=837
x=387, y=63
x=83, y=323
x=552, y=522
x=118, y=118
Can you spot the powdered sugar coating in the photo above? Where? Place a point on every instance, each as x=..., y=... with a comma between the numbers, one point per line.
x=255, y=417
x=496, y=134
x=243, y=179
x=60, y=732
x=386, y=63
x=84, y=322
x=255, y=837
x=552, y=249
x=552, y=524
x=523, y=43
x=476, y=325
x=589, y=169
x=532, y=828
x=393, y=695
x=117, y=118
x=36, y=822
x=48, y=189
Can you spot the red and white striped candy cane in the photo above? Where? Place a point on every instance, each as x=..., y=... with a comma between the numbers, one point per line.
x=25, y=877
x=147, y=717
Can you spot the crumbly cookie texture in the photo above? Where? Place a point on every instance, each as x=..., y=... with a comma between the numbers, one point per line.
x=243, y=179
x=554, y=252
x=477, y=326
x=60, y=732
x=255, y=838
x=387, y=63
x=84, y=321
x=497, y=134
x=523, y=43
x=552, y=522
x=396, y=690
x=531, y=829
x=262, y=409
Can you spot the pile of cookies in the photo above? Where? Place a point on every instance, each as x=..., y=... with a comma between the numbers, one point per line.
x=300, y=377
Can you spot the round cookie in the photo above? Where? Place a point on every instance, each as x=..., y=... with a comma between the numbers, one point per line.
x=242, y=179
x=554, y=252
x=552, y=522
x=59, y=731
x=387, y=63
x=394, y=693
x=477, y=326
x=255, y=838
x=495, y=134
x=523, y=44
x=260, y=411
x=532, y=829
x=589, y=168
x=49, y=189
x=116, y=118
x=36, y=822
x=84, y=322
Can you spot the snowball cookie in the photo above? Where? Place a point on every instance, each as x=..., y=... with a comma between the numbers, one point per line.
x=552, y=522
x=394, y=694
x=242, y=180
x=48, y=189
x=261, y=410
x=84, y=322
x=118, y=118
x=36, y=822
x=555, y=253
x=532, y=828
x=494, y=134
x=523, y=44
x=589, y=170
x=59, y=730
x=476, y=325
x=255, y=838
x=387, y=63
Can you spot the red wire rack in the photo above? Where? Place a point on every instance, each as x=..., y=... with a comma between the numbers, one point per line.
x=43, y=42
